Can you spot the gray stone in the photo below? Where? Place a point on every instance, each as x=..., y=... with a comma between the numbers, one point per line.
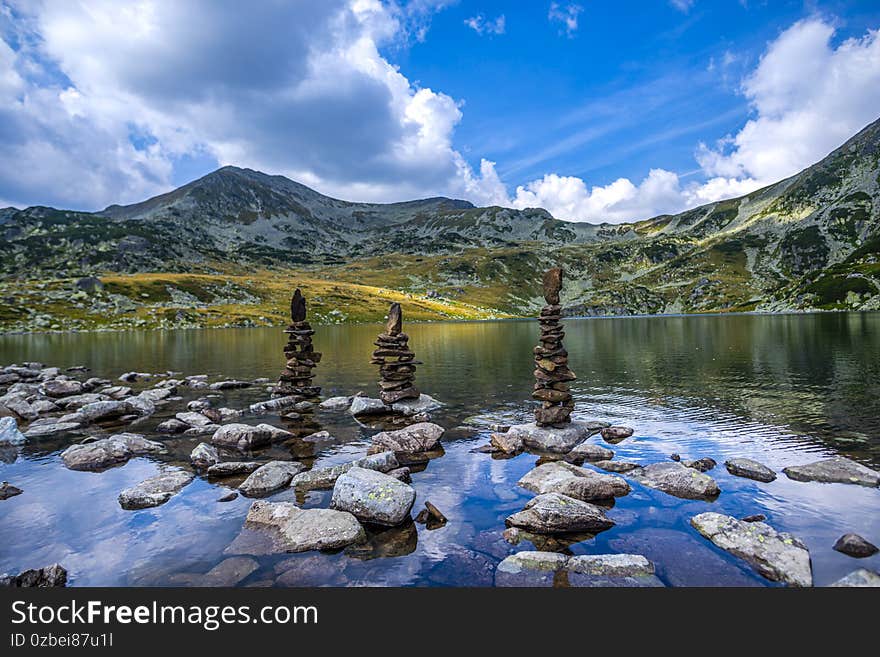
x=616, y=434
x=243, y=436
x=506, y=442
x=18, y=405
x=229, y=572
x=104, y=410
x=230, y=385
x=837, y=469
x=700, y=465
x=861, y=578
x=552, y=513
x=778, y=556
x=193, y=419
x=529, y=569
x=58, y=388
x=742, y=467
x=204, y=456
x=616, y=466
x=617, y=570
x=336, y=403
x=424, y=404
x=589, y=452
x=7, y=490
x=232, y=468
x=675, y=479
x=271, y=405
x=50, y=428
x=44, y=406
x=419, y=437
x=325, y=478
x=155, y=490
x=172, y=425
x=78, y=401
x=368, y=406
x=373, y=497
x=106, y=452
x=550, y=439
x=270, y=477
x=855, y=546
x=9, y=433
x=292, y=529
x=156, y=394
x=570, y=480
x=116, y=392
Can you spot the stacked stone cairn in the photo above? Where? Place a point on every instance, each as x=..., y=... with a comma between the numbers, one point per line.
x=296, y=379
x=397, y=364
x=552, y=375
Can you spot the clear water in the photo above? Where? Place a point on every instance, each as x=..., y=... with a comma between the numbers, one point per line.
x=781, y=389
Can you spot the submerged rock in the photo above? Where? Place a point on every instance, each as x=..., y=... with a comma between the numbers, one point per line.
x=325, y=478
x=155, y=490
x=270, y=477
x=7, y=490
x=837, y=469
x=861, y=578
x=553, y=513
x=419, y=437
x=675, y=479
x=855, y=546
x=533, y=568
x=550, y=439
x=778, y=556
x=106, y=452
x=229, y=572
x=589, y=452
x=9, y=433
x=373, y=497
x=570, y=480
x=742, y=467
x=49, y=576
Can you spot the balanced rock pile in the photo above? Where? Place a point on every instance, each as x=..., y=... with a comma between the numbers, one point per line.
x=296, y=379
x=396, y=375
x=552, y=374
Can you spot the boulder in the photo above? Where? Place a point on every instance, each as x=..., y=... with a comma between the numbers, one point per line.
x=618, y=570
x=232, y=468
x=675, y=479
x=271, y=405
x=838, y=469
x=49, y=576
x=44, y=406
x=614, y=435
x=742, y=467
x=616, y=466
x=588, y=452
x=550, y=439
x=553, y=513
x=243, y=436
x=204, y=456
x=424, y=404
x=860, y=578
x=58, y=388
x=106, y=452
x=855, y=546
x=570, y=480
x=105, y=410
x=155, y=490
x=368, y=406
x=530, y=569
x=78, y=401
x=373, y=497
x=778, y=556
x=50, y=427
x=325, y=478
x=292, y=529
x=419, y=437
x=506, y=442
x=9, y=433
x=336, y=403
x=270, y=477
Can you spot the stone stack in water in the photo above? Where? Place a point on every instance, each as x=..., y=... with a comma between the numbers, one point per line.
x=397, y=364
x=552, y=375
x=296, y=379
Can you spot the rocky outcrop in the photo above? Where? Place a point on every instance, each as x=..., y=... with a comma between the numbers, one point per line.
x=107, y=452
x=155, y=490
x=553, y=513
x=838, y=470
x=570, y=480
x=742, y=467
x=676, y=479
x=778, y=556
x=419, y=437
x=373, y=497
x=270, y=477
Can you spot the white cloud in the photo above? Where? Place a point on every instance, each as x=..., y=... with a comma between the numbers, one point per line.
x=567, y=16
x=482, y=25
x=682, y=5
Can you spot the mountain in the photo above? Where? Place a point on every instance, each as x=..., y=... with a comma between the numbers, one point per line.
x=208, y=251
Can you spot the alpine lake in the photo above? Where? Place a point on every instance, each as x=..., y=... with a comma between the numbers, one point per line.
x=781, y=389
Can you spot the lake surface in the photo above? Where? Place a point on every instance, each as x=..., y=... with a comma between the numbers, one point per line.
x=784, y=390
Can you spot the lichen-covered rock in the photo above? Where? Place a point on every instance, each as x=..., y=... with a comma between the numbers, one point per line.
x=552, y=513
x=9, y=433
x=550, y=439
x=204, y=456
x=837, y=469
x=155, y=490
x=325, y=478
x=372, y=496
x=590, y=453
x=419, y=437
x=675, y=479
x=568, y=479
x=778, y=556
x=742, y=467
x=270, y=477
x=106, y=452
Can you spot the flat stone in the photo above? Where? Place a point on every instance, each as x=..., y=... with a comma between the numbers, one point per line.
x=78, y=401
x=552, y=513
x=778, y=556
x=232, y=468
x=230, y=385
x=271, y=405
x=270, y=477
x=9, y=433
x=506, y=442
x=155, y=490
x=104, y=410
x=419, y=437
x=838, y=469
x=855, y=546
x=616, y=466
x=589, y=452
x=106, y=452
x=424, y=404
x=611, y=570
x=614, y=435
x=325, y=478
x=742, y=467
x=336, y=403
x=550, y=439
x=861, y=578
x=228, y=572
x=373, y=496
x=291, y=529
x=529, y=569
x=50, y=428
x=701, y=465
x=570, y=480
x=243, y=436
x=368, y=406
x=194, y=419
x=675, y=479
x=204, y=455
x=172, y=425
x=58, y=388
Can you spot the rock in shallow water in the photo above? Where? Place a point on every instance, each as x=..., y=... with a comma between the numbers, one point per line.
x=573, y=481
x=228, y=572
x=855, y=546
x=506, y=442
x=9, y=433
x=155, y=490
x=675, y=479
x=860, y=578
x=553, y=513
x=270, y=477
x=616, y=466
x=700, y=465
x=232, y=468
x=424, y=404
x=750, y=469
x=837, y=469
x=419, y=437
x=325, y=478
x=373, y=497
x=614, y=435
x=106, y=452
x=778, y=556
x=204, y=455
x=246, y=437
x=534, y=568
x=550, y=439
x=368, y=406
x=589, y=452
x=7, y=490
x=336, y=403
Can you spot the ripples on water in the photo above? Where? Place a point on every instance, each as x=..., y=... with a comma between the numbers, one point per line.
x=781, y=389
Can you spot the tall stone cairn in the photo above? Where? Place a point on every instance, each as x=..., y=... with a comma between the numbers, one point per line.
x=397, y=374
x=552, y=374
x=296, y=379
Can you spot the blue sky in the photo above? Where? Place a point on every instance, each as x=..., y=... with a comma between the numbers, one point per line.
x=594, y=110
